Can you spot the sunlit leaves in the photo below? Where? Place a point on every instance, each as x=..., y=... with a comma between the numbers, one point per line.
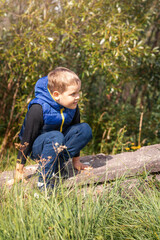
x=108, y=44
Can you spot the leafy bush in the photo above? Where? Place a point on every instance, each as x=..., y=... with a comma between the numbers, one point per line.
x=112, y=47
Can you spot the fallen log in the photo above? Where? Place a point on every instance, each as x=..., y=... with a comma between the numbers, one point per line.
x=105, y=167
x=128, y=164
x=7, y=176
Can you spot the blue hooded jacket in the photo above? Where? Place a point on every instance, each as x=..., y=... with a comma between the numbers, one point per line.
x=55, y=116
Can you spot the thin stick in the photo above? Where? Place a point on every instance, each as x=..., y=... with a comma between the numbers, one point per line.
x=140, y=128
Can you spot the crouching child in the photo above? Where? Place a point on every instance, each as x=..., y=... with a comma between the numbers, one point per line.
x=52, y=128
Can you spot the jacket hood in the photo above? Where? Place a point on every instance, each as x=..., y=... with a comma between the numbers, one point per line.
x=42, y=92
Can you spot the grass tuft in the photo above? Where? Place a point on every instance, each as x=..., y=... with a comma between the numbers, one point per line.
x=80, y=213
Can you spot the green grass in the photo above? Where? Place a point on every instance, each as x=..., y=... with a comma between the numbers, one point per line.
x=8, y=160
x=81, y=213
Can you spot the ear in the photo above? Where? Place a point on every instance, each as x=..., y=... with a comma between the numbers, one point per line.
x=56, y=95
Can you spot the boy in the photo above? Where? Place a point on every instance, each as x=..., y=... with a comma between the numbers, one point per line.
x=52, y=125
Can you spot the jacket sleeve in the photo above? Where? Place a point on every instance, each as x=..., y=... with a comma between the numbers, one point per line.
x=34, y=123
x=76, y=120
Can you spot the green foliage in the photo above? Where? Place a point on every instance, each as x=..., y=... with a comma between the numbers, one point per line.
x=9, y=160
x=81, y=213
x=113, y=47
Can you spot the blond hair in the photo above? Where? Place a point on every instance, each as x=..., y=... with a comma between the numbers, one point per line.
x=60, y=78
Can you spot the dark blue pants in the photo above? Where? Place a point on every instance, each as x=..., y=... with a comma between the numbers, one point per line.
x=48, y=147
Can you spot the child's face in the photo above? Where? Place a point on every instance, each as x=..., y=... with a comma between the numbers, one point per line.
x=70, y=97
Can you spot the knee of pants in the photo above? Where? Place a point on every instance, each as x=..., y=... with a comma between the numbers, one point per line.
x=86, y=131
x=54, y=138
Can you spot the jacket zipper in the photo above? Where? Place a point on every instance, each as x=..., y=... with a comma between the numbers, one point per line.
x=61, y=127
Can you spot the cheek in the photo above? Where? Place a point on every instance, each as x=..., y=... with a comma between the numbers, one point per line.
x=70, y=98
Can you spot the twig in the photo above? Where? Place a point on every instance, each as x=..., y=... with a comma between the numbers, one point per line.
x=140, y=128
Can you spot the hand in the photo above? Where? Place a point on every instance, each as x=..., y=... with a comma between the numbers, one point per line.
x=78, y=165
x=19, y=174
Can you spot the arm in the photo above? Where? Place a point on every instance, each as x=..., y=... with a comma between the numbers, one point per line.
x=76, y=159
x=34, y=123
x=76, y=120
